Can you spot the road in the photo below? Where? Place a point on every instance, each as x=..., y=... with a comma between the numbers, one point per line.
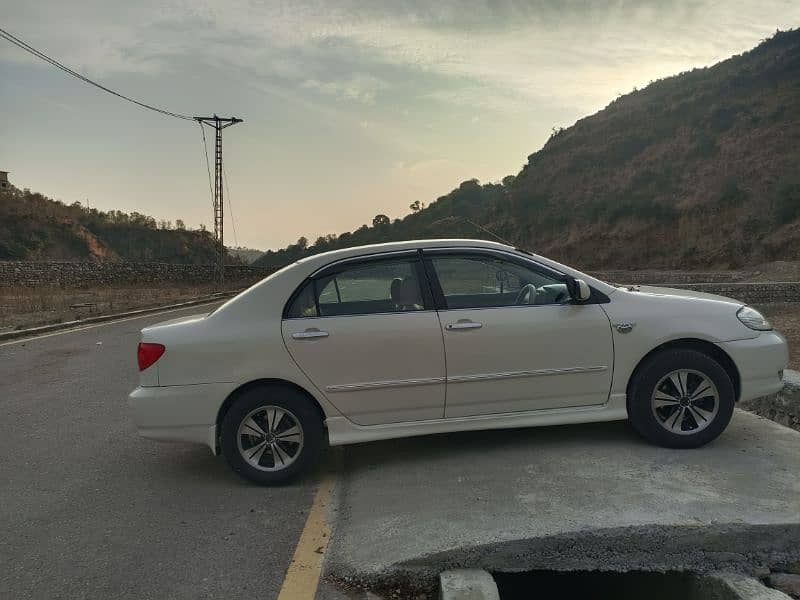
x=90, y=510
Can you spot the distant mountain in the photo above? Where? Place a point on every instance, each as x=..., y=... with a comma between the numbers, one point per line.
x=34, y=227
x=246, y=255
x=699, y=170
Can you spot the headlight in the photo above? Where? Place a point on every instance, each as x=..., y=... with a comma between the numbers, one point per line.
x=753, y=319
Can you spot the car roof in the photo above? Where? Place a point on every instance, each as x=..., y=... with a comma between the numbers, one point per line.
x=369, y=249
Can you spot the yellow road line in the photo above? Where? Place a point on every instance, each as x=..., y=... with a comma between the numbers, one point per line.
x=302, y=576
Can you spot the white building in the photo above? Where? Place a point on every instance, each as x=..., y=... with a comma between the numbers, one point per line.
x=4, y=184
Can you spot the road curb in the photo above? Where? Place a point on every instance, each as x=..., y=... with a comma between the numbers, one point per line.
x=34, y=331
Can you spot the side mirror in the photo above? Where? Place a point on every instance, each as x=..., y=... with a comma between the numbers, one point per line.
x=579, y=289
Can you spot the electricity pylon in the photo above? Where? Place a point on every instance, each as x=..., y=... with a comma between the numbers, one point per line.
x=218, y=123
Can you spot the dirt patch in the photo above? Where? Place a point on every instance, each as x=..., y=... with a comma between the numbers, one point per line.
x=779, y=270
x=31, y=307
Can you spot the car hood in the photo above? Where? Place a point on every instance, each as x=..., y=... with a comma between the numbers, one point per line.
x=666, y=291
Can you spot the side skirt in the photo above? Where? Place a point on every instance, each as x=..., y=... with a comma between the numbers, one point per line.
x=342, y=431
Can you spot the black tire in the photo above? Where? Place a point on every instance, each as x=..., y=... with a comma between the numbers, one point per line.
x=299, y=407
x=644, y=417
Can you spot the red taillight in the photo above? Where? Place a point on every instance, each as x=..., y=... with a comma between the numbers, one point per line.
x=148, y=354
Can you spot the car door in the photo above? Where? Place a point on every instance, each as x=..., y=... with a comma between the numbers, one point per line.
x=367, y=335
x=514, y=339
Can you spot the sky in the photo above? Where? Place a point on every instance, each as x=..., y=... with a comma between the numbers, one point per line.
x=351, y=108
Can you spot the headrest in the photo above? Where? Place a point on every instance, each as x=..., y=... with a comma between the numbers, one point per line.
x=395, y=290
x=409, y=292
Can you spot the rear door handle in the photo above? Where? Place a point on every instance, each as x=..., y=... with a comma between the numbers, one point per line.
x=464, y=325
x=309, y=334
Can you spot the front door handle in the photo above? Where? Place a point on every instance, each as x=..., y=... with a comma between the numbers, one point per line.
x=464, y=324
x=309, y=334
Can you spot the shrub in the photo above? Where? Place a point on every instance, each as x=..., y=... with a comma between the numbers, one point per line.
x=787, y=202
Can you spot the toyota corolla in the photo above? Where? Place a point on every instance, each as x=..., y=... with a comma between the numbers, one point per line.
x=422, y=337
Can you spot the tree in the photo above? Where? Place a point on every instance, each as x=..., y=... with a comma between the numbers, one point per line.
x=302, y=243
x=416, y=206
x=508, y=180
x=380, y=221
x=179, y=224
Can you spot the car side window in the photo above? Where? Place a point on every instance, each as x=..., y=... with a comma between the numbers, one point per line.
x=376, y=287
x=483, y=282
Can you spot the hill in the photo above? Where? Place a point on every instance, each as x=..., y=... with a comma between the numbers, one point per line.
x=34, y=227
x=246, y=255
x=699, y=170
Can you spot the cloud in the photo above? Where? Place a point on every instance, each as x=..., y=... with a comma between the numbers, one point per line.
x=496, y=55
x=358, y=87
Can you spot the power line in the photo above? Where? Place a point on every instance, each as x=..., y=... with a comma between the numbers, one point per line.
x=208, y=163
x=230, y=206
x=218, y=123
x=31, y=50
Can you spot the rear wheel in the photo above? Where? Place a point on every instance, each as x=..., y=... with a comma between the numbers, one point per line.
x=681, y=399
x=271, y=434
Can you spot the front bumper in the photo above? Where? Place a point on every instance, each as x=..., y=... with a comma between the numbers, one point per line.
x=179, y=413
x=760, y=361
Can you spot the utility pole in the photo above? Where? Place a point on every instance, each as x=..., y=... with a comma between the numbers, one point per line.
x=218, y=123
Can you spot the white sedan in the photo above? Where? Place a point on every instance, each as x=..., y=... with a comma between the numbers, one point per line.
x=421, y=337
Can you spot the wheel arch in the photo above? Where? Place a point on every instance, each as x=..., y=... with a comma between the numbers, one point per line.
x=264, y=382
x=704, y=346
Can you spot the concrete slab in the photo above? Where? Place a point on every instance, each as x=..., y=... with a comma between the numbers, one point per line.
x=732, y=586
x=467, y=584
x=574, y=497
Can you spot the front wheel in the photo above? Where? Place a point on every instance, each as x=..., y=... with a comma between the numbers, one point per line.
x=271, y=434
x=681, y=399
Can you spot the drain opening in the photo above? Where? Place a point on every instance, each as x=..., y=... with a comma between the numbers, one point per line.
x=597, y=585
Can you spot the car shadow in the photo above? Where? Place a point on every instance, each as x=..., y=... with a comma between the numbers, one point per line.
x=469, y=443
x=192, y=466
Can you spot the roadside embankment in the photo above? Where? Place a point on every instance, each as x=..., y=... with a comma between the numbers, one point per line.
x=783, y=407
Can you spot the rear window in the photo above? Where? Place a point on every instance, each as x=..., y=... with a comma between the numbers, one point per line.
x=304, y=304
x=377, y=287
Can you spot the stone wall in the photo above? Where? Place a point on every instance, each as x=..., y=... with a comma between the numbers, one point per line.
x=748, y=293
x=80, y=274
x=671, y=277
x=732, y=284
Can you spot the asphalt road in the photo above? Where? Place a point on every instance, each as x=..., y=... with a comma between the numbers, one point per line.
x=90, y=510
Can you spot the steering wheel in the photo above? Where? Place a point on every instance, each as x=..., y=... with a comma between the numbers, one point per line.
x=526, y=295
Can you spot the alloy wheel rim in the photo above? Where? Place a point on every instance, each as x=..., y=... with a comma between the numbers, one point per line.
x=685, y=402
x=270, y=438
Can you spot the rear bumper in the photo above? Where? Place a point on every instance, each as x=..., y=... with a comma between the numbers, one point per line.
x=760, y=361
x=179, y=413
